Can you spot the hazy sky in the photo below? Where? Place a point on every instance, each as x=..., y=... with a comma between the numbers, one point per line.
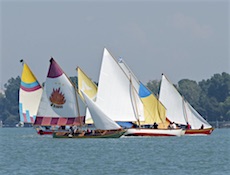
x=183, y=39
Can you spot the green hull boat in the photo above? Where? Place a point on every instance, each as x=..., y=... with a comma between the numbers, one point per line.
x=85, y=135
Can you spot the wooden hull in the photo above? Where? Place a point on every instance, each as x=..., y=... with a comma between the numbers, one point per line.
x=101, y=134
x=154, y=132
x=198, y=132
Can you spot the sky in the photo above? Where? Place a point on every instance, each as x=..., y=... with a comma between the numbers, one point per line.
x=182, y=39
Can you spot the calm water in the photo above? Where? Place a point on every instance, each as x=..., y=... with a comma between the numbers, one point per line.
x=25, y=152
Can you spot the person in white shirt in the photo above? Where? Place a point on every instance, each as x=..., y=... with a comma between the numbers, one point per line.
x=174, y=125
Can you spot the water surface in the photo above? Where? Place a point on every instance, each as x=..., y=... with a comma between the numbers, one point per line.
x=25, y=152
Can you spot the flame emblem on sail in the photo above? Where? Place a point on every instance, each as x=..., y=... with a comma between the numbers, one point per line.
x=57, y=98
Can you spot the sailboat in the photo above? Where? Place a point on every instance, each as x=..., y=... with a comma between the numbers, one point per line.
x=30, y=93
x=154, y=111
x=60, y=104
x=180, y=111
x=104, y=126
x=119, y=99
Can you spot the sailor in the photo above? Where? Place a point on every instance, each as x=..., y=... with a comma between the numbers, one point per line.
x=202, y=126
x=71, y=130
x=155, y=125
x=188, y=126
x=174, y=125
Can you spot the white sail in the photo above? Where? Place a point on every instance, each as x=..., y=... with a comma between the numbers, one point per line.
x=179, y=110
x=173, y=102
x=30, y=93
x=194, y=118
x=63, y=88
x=101, y=121
x=59, y=104
x=115, y=92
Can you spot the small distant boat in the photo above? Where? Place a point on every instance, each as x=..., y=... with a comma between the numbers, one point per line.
x=180, y=111
x=105, y=127
x=19, y=125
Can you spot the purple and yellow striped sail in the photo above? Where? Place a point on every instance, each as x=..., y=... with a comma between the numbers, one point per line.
x=29, y=95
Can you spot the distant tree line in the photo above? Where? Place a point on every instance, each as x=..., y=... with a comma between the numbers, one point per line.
x=9, y=105
x=211, y=97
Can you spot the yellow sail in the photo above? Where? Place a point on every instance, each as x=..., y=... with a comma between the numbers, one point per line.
x=86, y=85
x=154, y=111
x=27, y=75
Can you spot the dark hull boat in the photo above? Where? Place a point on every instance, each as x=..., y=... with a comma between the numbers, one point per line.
x=85, y=135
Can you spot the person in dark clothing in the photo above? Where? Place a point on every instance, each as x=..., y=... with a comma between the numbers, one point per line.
x=71, y=130
x=202, y=126
x=155, y=125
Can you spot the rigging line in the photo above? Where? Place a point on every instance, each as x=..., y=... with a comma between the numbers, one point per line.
x=159, y=114
x=135, y=111
x=184, y=109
